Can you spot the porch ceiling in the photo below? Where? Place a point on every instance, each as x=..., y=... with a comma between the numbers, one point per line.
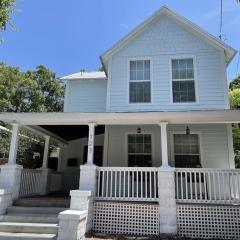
x=123, y=118
x=71, y=132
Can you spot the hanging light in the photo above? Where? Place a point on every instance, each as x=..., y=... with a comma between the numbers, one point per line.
x=139, y=130
x=187, y=130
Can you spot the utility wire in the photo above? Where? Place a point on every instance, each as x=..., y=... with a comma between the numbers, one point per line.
x=238, y=60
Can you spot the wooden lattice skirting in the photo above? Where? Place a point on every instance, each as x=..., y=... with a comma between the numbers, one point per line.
x=208, y=221
x=126, y=218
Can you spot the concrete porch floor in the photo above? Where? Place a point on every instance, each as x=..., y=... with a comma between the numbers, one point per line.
x=56, y=199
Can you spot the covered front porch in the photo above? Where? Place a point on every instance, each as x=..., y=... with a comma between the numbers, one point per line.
x=143, y=169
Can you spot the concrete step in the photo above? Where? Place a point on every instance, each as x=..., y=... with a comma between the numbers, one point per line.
x=34, y=210
x=46, y=202
x=30, y=218
x=17, y=227
x=27, y=236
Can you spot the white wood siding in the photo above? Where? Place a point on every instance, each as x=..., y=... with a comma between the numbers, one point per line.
x=214, y=144
x=85, y=96
x=75, y=150
x=164, y=39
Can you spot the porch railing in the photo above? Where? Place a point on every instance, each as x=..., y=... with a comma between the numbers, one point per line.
x=127, y=183
x=207, y=185
x=30, y=183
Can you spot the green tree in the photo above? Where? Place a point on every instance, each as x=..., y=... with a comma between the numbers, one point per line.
x=235, y=83
x=33, y=91
x=235, y=98
x=7, y=7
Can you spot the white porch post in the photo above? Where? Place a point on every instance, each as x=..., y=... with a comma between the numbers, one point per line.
x=82, y=199
x=14, y=144
x=10, y=175
x=164, y=144
x=46, y=172
x=46, y=152
x=166, y=188
x=91, y=137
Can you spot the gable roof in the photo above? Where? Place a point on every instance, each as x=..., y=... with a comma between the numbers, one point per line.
x=85, y=75
x=229, y=51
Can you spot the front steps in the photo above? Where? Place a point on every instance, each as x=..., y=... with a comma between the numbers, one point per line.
x=32, y=219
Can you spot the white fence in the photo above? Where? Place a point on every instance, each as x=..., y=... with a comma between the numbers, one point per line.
x=207, y=185
x=127, y=183
x=30, y=183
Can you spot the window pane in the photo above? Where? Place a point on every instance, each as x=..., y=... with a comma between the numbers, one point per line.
x=186, y=150
x=147, y=75
x=147, y=148
x=139, y=138
x=139, y=75
x=139, y=150
x=140, y=65
x=183, y=91
x=147, y=92
x=131, y=138
x=182, y=69
x=133, y=65
x=140, y=92
x=147, y=138
x=131, y=148
x=147, y=65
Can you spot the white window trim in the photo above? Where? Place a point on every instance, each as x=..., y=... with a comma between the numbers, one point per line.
x=142, y=132
x=128, y=79
x=195, y=79
x=199, y=133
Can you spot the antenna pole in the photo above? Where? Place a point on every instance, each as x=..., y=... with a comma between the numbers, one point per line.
x=221, y=15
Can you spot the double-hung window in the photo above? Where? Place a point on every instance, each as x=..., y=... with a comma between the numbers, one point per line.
x=139, y=81
x=186, y=150
x=139, y=150
x=183, y=81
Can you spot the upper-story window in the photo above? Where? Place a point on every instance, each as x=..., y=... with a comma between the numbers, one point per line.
x=140, y=81
x=183, y=82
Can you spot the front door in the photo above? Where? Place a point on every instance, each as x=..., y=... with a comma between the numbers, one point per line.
x=98, y=155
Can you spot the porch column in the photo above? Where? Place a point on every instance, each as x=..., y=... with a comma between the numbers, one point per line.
x=46, y=152
x=14, y=144
x=164, y=144
x=82, y=199
x=10, y=175
x=46, y=172
x=91, y=137
x=166, y=189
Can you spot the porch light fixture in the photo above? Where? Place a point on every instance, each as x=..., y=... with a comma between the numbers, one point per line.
x=187, y=130
x=139, y=130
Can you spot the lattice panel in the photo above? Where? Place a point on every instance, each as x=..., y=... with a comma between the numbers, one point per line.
x=199, y=221
x=126, y=218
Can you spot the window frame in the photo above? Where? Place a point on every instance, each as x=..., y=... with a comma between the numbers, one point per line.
x=129, y=81
x=176, y=57
x=143, y=133
x=199, y=133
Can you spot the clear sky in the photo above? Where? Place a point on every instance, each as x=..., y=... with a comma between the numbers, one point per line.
x=67, y=35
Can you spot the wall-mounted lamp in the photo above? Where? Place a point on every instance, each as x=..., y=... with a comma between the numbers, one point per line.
x=139, y=130
x=187, y=130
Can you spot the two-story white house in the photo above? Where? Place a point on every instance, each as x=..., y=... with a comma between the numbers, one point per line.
x=152, y=134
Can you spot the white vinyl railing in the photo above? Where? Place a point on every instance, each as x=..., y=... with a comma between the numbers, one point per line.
x=207, y=185
x=127, y=183
x=30, y=182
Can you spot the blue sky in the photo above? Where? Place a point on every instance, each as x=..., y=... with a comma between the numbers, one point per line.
x=67, y=35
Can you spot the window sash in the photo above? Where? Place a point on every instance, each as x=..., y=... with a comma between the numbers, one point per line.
x=185, y=91
x=189, y=142
x=141, y=139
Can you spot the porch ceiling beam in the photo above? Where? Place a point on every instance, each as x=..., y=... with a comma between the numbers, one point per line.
x=45, y=133
x=77, y=118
